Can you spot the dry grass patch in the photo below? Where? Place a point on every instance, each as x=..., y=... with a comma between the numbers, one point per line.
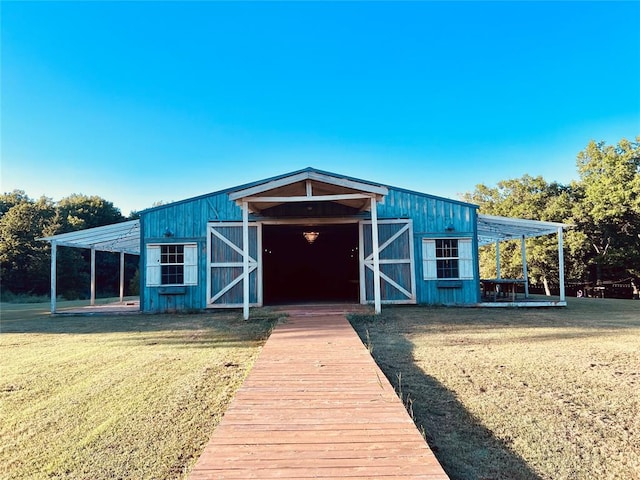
x=116, y=397
x=520, y=394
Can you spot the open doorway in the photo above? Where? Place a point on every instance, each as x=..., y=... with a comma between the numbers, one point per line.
x=297, y=270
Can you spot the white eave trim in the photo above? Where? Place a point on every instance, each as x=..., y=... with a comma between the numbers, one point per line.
x=377, y=190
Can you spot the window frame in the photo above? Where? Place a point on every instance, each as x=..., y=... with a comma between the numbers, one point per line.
x=464, y=258
x=154, y=267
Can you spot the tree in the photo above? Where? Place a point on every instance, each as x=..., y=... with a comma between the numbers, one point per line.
x=535, y=199
x=24, y=260
x=8, y=200
x=77, y=212
x=608, y=210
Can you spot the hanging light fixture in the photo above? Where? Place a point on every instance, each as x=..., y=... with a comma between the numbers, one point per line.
x=310, y=236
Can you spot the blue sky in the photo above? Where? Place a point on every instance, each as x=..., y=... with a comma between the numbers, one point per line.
x=160, y=101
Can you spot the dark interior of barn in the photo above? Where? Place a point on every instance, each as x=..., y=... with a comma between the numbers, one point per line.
x=304, y=270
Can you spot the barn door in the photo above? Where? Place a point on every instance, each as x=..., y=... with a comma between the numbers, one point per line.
x=226, y=272
x=397, y=271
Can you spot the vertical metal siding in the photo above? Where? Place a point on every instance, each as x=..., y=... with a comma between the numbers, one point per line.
x=187, y=221
x=431, y=216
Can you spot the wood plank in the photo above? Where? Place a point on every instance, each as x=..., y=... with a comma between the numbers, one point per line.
x=316, y=405
x=307, y=198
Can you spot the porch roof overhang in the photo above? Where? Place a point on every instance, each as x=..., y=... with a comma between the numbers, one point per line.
x=118, y=237
x=492, y=228
x=309, y=186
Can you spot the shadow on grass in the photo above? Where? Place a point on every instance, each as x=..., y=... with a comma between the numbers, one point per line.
x=465, y=448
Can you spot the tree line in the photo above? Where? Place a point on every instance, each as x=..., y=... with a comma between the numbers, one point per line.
x=602, y=209
x=602, y=244
x=25, y=261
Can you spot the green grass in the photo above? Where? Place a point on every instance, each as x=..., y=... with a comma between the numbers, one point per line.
x=500, y=393
x=519, y=393
x=104, y=397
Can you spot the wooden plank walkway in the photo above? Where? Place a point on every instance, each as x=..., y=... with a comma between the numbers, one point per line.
x=315, y=405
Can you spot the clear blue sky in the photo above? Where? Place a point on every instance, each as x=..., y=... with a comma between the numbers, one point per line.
x=160, y=101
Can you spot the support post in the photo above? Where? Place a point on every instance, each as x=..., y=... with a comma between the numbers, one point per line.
x=561, y=264
x=376, y=256
x=54, y=255
x=498, y=259
x=93, y=277
x=525, y=273
x=121, y=277
x=245, y=260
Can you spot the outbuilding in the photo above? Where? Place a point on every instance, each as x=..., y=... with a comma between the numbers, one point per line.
x=312, y=236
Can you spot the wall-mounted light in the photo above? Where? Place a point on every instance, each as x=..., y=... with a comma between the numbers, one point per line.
x=310, y=236
x=168, y=233
x=449, y=227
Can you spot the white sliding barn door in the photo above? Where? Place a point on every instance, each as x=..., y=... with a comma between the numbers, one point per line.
x=225, y=265
x=397, y=268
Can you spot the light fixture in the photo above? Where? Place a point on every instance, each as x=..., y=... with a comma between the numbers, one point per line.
x=310, y=236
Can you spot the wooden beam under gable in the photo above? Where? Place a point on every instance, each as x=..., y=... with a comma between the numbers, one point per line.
x=265, y=187
x=343, y=182
x=378, y=190
x=317, y=198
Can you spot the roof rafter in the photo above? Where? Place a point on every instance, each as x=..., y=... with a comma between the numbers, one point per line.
x=118, y=237
x=492, y=228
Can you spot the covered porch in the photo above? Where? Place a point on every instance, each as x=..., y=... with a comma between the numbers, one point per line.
x=505, y=292
x=122, y=238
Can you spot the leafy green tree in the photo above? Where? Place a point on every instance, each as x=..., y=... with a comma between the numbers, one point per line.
x=24, y=260
x=608, y=210
x=529, y=198
x=77, y=212
x=8, y=200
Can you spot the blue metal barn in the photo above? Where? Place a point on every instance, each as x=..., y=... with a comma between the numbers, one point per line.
x=309, y=238
x=312, y=236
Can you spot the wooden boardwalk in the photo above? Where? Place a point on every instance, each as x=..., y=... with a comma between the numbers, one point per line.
x=315, y=405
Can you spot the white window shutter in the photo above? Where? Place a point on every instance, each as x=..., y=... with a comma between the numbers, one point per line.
x=429, y=259
x=153, y=265
x=465, y=258
x=190, y=264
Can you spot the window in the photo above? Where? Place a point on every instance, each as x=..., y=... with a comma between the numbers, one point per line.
x=447, y=258
x=172, y=264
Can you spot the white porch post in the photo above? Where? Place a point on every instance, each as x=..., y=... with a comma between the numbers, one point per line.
x=497, y=258
x=245, y=260
x=561, y=264
x=54, y=254
x=121, y=277
x=525, y=273
x=376, y=256
x=93, y=276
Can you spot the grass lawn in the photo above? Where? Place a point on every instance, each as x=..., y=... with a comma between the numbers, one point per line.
x=519, y=394
x=106, y=397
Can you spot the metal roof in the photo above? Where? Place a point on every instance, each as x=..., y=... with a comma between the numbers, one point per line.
x=119, y=237
x=125, y=236
x=311, y=171
x=492, y=228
